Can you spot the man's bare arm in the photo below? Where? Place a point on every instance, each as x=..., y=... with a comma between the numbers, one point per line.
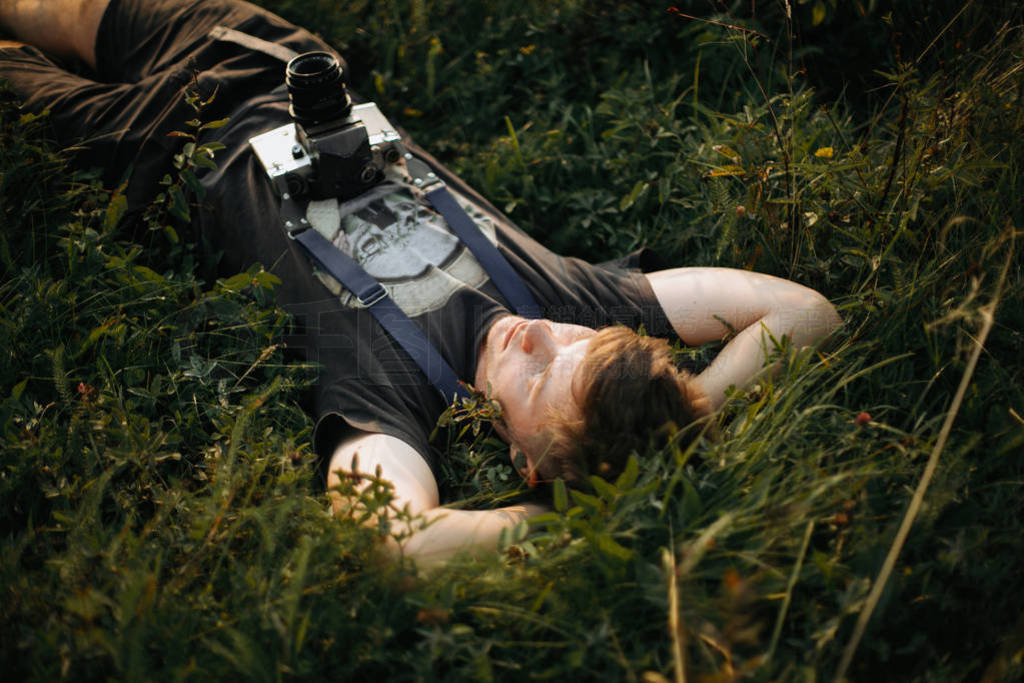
x=438, y=533
x=705, y=304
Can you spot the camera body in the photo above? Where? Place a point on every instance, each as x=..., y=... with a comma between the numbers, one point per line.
x=333, y=149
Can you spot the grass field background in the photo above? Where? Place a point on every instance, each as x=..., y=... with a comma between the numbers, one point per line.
x=159, y=514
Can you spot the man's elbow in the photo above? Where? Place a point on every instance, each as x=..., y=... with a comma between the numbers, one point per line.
x=818, y=319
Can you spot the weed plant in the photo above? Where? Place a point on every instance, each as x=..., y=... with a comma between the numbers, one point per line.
x=159, y=513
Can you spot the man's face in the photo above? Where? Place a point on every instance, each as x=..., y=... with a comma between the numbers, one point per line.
x=531, y=366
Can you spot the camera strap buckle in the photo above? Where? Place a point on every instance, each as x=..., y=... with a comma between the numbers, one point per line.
x=383, y=308
x=291, y=216
x=423, y=177
x=293, y=230
x=372, y=296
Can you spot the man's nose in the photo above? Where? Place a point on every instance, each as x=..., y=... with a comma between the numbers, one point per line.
x=537, y=338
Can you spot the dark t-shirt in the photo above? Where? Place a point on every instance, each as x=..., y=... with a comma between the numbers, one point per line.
x=148, y=54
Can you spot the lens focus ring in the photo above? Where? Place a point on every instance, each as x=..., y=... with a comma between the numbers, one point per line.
x=316, y=88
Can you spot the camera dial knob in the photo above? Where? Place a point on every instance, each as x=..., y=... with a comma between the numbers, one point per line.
x=368, y=173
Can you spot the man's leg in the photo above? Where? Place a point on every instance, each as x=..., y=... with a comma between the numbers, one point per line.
x=146, y=54
x=63, y=28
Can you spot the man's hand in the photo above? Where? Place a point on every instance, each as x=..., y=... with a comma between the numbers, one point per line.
x=435, y=534
x=705, y=304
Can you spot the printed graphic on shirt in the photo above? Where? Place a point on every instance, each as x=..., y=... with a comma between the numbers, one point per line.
x=402, y=242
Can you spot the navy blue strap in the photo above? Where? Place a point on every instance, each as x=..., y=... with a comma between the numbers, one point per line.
x=372, y=295
x=498, y=268
x=397, y=324
x=487, y=255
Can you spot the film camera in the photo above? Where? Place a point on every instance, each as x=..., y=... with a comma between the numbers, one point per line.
x=334, y=148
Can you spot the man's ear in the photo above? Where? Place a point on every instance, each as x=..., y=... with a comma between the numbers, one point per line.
x=520, y=461
x=523, y=464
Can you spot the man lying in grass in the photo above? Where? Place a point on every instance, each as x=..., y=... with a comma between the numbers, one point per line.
x=578, y=389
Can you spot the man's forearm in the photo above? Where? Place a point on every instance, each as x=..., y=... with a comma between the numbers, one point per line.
x=704, y=304
x=743, y=358
x=435, y=533
x=438, y=534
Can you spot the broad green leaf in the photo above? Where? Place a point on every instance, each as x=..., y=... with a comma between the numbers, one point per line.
x=18, y=388
x=268, y=281
x=818, y=13
x=727, y=151
x=561, y=497
x=629, y=475
x=179, y=207
x=205, y=161
x=587, y=500
x=147, y=273
x=691, y=504
x=604, y=489
x=193, y=182
x=612, y=548
x=504, y=538
x=115, y=210
x=236, y=283
x=219, y=123
x=545, y=518
x=630, y=199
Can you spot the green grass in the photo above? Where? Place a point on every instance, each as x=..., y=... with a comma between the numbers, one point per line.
x=160, y=516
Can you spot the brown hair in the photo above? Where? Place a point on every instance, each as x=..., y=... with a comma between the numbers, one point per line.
x=628, y=390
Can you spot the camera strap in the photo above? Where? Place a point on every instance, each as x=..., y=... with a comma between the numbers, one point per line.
x=505, y=278
x=246, y=40
x=372, y=295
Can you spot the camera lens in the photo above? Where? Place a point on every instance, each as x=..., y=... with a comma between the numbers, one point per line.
x=316, y=88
